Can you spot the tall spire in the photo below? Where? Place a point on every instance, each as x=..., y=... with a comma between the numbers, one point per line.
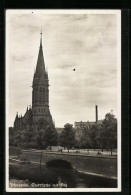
x=40, y=67
x=41, y=38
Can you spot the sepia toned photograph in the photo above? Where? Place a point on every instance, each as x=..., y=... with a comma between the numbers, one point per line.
x=63, y=100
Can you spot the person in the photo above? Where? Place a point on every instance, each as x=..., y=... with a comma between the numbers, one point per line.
x=99, y=153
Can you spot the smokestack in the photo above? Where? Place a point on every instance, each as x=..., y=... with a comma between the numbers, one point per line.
x=96, y=114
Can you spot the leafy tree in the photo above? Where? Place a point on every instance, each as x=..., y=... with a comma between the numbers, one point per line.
x=46, y=135
x=27, y=135
x=67, y=137
x=85, y=141
x=77, y=144
x=39, y=139
x=109, y=132
x=94, y=132
x=50, y=137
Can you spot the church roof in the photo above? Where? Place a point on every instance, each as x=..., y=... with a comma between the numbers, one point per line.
x=40, y=73
x=40, y=67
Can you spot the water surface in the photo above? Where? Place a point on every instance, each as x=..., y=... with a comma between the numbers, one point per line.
x=54, y=175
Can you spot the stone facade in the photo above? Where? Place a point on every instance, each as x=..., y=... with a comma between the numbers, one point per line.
x=85, y=125
x=40, y=98
x=81, y=126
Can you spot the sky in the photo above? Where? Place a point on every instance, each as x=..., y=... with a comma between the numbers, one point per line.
x=81, y=41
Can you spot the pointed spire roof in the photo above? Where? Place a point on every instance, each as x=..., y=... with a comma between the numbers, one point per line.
x=40, y=67
x=16, y=115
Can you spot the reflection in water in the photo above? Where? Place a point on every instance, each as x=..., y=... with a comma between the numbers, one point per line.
x=59, y=175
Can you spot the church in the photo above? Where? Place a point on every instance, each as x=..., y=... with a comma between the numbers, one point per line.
x=40, y=98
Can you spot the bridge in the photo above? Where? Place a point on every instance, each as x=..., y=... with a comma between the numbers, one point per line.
x=105, y=166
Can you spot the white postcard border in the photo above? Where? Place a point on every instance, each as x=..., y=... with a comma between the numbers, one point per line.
x=8, y=12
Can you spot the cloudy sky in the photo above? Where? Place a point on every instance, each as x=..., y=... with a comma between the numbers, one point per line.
x=81, y=41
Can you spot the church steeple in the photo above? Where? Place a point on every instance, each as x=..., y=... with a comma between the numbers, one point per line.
x=40, y=67
x=40, y=97
x=40, y=92
x=41, y=38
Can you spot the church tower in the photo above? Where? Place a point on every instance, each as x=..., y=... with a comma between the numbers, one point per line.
x=40, y=90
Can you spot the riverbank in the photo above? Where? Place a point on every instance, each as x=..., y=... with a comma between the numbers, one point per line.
x=98, y=165
x=86, y=152
x=35, y=176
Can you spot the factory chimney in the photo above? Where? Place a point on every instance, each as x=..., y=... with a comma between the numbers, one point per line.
x=96, y=114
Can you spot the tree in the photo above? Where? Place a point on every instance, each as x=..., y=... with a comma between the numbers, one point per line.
x=39, y=139
x=94, y=133
x=77, y=144
x=67, y=137
x=46, y=135
x=109, y=132
x=85, y=141
x=50, y=137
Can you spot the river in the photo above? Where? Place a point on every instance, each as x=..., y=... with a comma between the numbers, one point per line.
x=61, y=176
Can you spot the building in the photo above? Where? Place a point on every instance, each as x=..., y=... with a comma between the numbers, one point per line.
x=40, y=98
x=81, y=126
